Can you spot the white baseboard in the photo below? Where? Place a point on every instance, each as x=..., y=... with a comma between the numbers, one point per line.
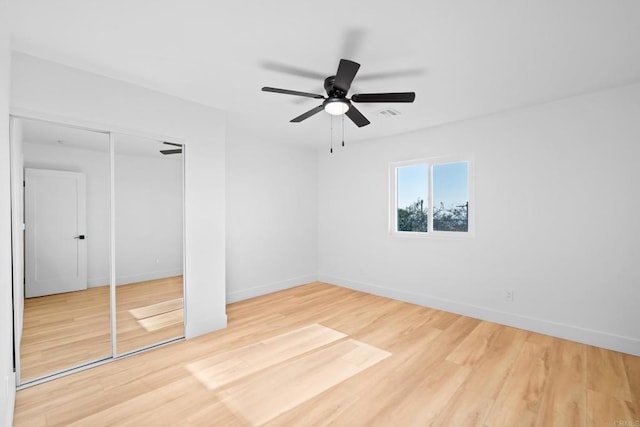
x=570, y=332
x=260, y=290
x=96, y=282
x=142, y=277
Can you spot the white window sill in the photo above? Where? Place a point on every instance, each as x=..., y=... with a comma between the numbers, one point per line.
x=452, y=235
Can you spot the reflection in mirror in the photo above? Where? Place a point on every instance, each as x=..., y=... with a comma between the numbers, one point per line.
x=148, y=242
x=66, y=313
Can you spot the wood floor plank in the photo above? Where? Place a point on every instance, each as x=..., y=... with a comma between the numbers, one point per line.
x=565, y=397
x=473, y=347
x=149, y=402
x=434, y=393
x=606, y=373
x=204, y=415
x=603, y=409
x=467, y=407
x=520, y=399
x=489, y=352
x=632, y=368
x=491, y=371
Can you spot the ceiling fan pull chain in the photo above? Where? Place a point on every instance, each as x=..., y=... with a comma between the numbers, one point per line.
x=343, y=130
x=331, y=150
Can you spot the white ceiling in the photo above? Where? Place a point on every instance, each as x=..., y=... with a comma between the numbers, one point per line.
x=462, y=58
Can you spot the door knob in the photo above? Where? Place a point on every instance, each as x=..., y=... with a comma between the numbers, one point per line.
x=81, y=237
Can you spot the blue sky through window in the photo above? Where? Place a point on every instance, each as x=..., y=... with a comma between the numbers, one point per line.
x=450, y=184
x=412, y=185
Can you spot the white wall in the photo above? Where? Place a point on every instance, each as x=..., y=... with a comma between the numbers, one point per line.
x=557, y=201
x=148, y=210
x=7, y=378
x=148, y=202
x=271, y=215
x=52, y=90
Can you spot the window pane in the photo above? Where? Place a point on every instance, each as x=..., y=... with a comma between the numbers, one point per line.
x=412, y=198
x=451, y=197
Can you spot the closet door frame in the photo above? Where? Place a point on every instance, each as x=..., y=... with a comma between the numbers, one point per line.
x=17, y=227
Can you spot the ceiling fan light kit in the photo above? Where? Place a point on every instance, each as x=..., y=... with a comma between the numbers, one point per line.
x=336, y=101
x=336, y=106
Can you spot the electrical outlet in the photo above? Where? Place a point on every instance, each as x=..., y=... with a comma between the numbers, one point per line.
x=508, y=295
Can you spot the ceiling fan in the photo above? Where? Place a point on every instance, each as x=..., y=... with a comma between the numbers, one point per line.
x=336, y=101
x=173, y=150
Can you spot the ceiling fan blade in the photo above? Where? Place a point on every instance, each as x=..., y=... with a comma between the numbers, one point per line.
x=174, y=151
x=384, y=97
x=289, y=69
x=292, y=92
x=308, y=114
x=172, y=143
x=352, y=42
x=304, y=100
x=346, y=73
x=410, y=72
x=356, y=117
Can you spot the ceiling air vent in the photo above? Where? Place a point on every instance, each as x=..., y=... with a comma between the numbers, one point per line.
x=389, y=112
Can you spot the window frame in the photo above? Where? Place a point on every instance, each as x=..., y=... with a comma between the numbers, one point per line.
x=430, y=162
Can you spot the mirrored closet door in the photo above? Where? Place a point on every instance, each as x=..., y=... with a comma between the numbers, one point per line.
x=148, y=242
x=98, y=263
x=65, y=312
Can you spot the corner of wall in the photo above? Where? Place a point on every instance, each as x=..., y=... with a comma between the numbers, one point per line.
x=194, y=327
x=269, y=288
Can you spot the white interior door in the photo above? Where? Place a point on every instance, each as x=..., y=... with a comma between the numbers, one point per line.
x=55, y=227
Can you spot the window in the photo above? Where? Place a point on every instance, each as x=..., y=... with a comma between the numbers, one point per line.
x=431, y=197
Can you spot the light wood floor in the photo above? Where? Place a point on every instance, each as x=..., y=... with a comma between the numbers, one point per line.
x=319, y=354
x=134, y=331
x=65, y=330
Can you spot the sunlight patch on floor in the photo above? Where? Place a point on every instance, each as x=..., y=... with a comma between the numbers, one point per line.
x=272, y=376
x=163, y=320
x=156, y=309
x=224, y=368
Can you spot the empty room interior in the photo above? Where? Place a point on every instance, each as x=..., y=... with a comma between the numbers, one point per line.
x=331, y=213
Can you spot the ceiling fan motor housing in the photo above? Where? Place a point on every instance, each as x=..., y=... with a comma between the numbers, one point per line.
x=332, y=91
